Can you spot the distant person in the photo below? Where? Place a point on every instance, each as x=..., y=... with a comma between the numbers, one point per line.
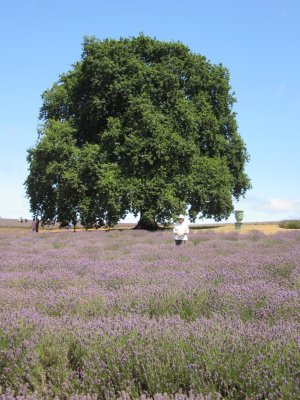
x=181, y=230
x=33, y=225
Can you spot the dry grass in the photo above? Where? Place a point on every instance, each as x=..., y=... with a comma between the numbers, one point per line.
x=265, y=227
x=269, y=228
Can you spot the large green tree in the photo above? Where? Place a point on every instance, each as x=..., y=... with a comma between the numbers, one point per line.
x=137, y=126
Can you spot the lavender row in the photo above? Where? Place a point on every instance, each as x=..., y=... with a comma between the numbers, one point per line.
x=112, y=314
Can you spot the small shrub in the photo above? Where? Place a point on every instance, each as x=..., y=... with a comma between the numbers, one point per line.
x=290, y=224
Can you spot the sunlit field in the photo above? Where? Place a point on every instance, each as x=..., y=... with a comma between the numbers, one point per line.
x=129, y=315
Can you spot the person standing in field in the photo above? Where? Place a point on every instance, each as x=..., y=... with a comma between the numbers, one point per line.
x=181, y=230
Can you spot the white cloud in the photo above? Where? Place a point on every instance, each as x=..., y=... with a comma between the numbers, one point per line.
x=258, y=209
x=282, y=205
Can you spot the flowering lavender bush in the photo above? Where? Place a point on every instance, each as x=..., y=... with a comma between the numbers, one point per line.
x=127, y=315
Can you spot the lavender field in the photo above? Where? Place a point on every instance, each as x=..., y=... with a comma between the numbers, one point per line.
x=127, y=315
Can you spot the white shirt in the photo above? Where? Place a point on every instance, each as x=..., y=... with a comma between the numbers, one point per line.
x=180, y=231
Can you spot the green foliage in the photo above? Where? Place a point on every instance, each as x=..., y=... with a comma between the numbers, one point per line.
x=12, y=354
x=282, y=271
x=290, y=224
x=60, y=365
x=53, y=183
x=188, y=306
x=138, y=126
x=91, y=307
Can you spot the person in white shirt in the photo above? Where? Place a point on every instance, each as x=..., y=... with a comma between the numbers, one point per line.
x=180, y=230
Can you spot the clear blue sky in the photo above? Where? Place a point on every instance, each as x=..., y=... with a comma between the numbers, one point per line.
x=257, y=40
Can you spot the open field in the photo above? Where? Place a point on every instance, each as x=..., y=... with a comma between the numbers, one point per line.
x=125, y=314
x=264, y=227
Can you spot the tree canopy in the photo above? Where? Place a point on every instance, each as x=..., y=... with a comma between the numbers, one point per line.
x=137, y=126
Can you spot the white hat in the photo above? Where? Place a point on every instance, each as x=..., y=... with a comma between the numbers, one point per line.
x=181, y=216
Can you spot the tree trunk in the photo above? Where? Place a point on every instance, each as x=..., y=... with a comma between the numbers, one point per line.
x=146, y=223
x=74, y=225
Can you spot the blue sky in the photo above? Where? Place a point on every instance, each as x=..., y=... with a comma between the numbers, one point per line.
x=257, y=40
